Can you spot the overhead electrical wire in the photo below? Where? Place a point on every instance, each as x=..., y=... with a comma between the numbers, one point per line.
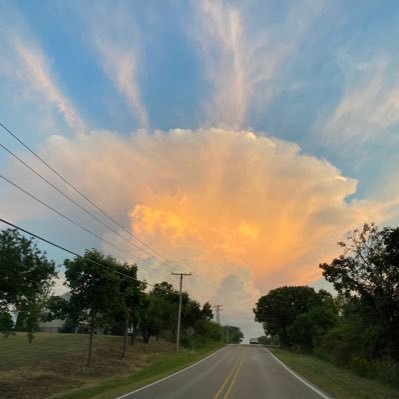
x=197, y=286
x=70, y=220
x=78, y=191
x=78, y=205
x=198, y=294
x=158, y=255
x=80, y=256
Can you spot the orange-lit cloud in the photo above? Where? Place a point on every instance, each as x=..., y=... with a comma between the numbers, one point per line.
x=244, y=212
x=221, y=198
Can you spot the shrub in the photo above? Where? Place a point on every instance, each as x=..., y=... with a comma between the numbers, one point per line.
x=387, y=370
x=363, y=367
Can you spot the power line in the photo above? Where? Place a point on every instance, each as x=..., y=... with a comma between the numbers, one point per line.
x=195, y=282
x=165, y=261
x=76, y=203
x=78, y=191
x=80, y=256
x=197, y=291
x=218, y=308
x=70, y=220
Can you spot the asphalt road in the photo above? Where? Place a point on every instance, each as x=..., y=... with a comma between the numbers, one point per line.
x=235, y=372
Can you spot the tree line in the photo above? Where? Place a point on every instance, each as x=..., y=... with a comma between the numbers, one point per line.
x=359, y=326
x=104, y=296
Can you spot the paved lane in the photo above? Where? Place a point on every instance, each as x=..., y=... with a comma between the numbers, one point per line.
x=235, y=372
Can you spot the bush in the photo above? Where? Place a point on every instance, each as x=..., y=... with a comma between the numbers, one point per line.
x=363, y=367
x=387, y=370
x=6, y=324
x=337, y=345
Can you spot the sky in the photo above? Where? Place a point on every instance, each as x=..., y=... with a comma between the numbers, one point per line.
x=239, y=140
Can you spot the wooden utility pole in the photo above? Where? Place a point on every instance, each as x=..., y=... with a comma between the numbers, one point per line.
x=182, y=275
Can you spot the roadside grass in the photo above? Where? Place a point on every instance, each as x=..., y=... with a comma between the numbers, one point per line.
x=161, y=366
x=55, y=364
x=15, y=351
x=338, y=382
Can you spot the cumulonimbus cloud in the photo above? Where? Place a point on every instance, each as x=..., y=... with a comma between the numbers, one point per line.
x=219, y=199
x=243, y=212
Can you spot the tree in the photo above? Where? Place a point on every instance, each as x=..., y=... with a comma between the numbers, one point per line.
x=27, y=278
x=369, y=269
x=280, y=307
x=159, y=310
x=94, y=288
x=233, y=335
x=309, y=327
x=207, y=311
x=129, y=296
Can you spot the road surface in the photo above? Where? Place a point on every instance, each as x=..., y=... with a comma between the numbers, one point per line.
x=235, y=372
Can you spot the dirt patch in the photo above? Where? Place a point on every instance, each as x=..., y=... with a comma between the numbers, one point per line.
x=44, y=378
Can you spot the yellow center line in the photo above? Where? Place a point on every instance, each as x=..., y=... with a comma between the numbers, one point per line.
x=233, y=379
x=234, y=369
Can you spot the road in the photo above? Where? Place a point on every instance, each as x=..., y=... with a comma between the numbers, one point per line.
x=235, y=372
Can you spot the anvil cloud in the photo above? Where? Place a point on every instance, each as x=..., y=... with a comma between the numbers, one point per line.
x=244, y=212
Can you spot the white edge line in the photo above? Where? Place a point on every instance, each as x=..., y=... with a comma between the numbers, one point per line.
x=171, y=375
x=298, y=377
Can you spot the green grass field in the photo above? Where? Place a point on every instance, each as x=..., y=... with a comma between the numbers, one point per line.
x=54, y=364
x=17, y=352
x=338, y=382
x=161, y=366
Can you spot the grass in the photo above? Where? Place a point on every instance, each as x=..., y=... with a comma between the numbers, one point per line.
x=16, y=352
x=55, y=364
x=161, y=366
x=338, y=382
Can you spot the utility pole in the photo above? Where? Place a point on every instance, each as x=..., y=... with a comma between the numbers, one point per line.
x=182, y=275
x=217, y=309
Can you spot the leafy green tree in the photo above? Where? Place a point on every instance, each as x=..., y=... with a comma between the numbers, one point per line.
x=207, y=311
x=309, y=327
x=280, y=307
x=233, y=335
x=94, y=288
x=368, y=269
x=269, y=340
x=6, y=324
x=160, y=310
x=61, y=309
x=26, y=280
x=129, y=296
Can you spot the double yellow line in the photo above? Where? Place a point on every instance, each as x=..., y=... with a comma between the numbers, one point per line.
x=230, y=379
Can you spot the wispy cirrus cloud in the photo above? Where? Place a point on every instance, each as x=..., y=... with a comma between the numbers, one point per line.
x=241, y=63
x=112, y=32
x=27, y=70
x=35, y=72
x=369, y=105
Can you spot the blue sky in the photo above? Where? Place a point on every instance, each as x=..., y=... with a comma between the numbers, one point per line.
x=327, y=40
x=317, y=78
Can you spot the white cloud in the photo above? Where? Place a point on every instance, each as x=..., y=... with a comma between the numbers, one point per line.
x=369, y=106
x=36, y=74
x=226, y=199
x=245, y=213
x=27, y=71
x=113, y=34
x=242, y=62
